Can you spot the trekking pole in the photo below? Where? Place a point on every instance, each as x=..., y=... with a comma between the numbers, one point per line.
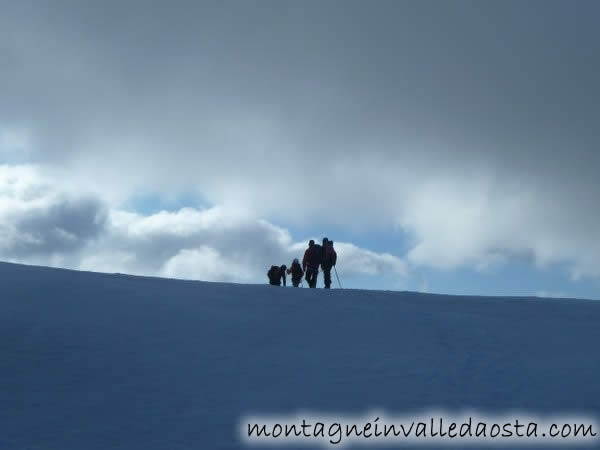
x=338, y=278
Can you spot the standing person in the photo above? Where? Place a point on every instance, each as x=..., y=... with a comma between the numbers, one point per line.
x=310, y=263
x=276, y=274
x=329, y=260
x=296, y=271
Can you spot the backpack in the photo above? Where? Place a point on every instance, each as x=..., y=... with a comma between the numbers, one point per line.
x=317, y=255
x=296, y=270
x=273, y=273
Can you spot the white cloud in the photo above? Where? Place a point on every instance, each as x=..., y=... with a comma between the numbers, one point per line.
x=358, y=261
x=206, y=264
x=221, y=245
x=474, y=223
x=482, y=222
x=45, y=224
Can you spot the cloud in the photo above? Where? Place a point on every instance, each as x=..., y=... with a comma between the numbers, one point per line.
x=219, y=244
x=37, y=221
x=207, y=264
x=483, y=222
x=477, y=141
x=44, y=224
x=355, y=261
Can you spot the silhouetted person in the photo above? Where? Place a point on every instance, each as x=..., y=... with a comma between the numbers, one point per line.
x=296, y=271
x=310, y=263
x=329, y=260
x=276, y=274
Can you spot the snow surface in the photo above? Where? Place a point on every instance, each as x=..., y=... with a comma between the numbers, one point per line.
x=108, y=361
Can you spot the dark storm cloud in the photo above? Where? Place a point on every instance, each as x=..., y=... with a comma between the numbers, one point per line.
x=491, y=81
x=473, y=125
x=67, y=225
x=38, y=221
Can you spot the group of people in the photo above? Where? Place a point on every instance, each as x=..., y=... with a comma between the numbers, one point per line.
x=315, y=255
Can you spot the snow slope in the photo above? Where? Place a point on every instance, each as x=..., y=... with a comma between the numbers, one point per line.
x=101, y=361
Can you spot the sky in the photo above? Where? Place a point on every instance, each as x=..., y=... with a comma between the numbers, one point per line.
x=445, y=147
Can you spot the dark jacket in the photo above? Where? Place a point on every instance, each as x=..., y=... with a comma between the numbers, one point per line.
x=296, y=271
x=312, y=257
x=330, y=257
x=276, y=274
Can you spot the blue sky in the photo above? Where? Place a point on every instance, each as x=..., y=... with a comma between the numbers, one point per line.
x=448, y=147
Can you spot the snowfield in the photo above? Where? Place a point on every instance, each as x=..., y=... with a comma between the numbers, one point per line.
x=107, y=361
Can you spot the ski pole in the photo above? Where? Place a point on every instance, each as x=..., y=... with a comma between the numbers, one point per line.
x=338, y=278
